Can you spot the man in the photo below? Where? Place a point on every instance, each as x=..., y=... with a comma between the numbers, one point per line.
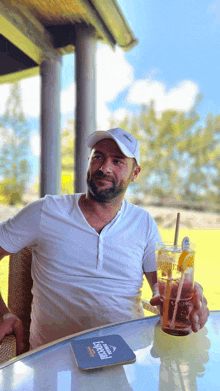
x=90, y=251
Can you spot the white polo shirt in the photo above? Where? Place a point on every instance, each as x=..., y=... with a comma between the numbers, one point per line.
x=81, y=279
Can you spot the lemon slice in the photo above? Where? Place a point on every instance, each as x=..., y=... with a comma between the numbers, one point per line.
x=186, y=260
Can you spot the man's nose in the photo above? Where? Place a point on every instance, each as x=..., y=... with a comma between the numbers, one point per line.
x=106, y=167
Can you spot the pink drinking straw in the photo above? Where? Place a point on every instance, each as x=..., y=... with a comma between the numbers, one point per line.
x=182, y=276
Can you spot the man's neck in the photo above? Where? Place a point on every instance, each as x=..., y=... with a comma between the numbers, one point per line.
x=97, y=214
x=109, y=207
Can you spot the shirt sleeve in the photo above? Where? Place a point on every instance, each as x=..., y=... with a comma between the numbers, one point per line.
x=149, y=259
x=23, y=229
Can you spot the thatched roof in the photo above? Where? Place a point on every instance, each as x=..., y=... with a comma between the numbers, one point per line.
x=31, y=30
x=56, y=12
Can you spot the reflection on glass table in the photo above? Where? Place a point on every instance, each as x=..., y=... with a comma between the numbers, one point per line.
x=163, y=362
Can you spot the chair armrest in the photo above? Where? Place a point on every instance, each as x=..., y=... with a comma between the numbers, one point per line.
x=8, y=348
x=147, y=306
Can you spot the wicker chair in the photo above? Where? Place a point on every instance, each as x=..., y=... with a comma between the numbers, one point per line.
x=20, y=299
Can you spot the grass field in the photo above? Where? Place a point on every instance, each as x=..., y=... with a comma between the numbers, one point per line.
x=4, y=278
x=207, y=264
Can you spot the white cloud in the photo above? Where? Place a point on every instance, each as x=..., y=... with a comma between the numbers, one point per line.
x=114, y=73
x=4, y=92
x=30, y=96
x=215, y=9
x=103, y=115
x=181, y=97
x=120, y=114
x=68, y=99
x=35, y=144
x=30, y=88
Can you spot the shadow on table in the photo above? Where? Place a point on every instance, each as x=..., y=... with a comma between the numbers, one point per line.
x=182, y=359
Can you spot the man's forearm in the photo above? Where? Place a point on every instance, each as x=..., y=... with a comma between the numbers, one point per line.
x=151, y=278
x=3, y=308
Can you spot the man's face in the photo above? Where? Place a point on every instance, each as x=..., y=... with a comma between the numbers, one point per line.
x=109, y=172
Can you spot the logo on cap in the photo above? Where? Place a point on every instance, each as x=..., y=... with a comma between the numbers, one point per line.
x=125, y=135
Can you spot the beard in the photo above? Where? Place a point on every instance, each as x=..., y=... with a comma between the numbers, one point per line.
x=105, y=195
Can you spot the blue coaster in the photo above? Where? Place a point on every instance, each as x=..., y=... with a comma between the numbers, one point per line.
x=98, y=352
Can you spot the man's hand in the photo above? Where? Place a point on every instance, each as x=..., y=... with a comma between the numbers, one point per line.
x=11, y=323
x=155, y=300
x=200, y=311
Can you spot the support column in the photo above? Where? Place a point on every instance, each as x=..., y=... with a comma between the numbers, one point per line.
x=85, y=123
x=50, y=127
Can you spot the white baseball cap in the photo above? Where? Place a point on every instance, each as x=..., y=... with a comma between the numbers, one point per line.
x=126, y=142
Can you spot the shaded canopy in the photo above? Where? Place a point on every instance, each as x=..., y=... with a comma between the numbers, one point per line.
x=34, y=30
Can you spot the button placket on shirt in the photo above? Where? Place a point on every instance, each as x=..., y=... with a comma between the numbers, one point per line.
x=100, y=252
x=101, y=241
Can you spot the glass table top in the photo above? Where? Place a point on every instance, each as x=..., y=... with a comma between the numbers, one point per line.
x=163, y=362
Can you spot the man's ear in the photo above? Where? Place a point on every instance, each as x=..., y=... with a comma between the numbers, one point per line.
x=135, y=173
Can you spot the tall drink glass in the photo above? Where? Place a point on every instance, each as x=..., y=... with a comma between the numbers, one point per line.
x=175, y=275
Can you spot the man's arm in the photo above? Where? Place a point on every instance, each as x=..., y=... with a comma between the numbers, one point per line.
x=8, y=322
x=20, y=231
x=151, y=278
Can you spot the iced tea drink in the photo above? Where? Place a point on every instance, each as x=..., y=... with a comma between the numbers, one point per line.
x=175, y=275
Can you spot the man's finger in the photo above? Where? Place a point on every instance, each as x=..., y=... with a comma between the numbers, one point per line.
x=198, y=317
x=198, y=295
x=155, y=300
x=9, y=323
x=197, y=322
x=18, y=329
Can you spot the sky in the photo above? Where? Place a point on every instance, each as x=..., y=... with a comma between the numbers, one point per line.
x=178, y=56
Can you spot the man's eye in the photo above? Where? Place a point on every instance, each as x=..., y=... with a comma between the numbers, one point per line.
x=97, y=157
x=116, y=161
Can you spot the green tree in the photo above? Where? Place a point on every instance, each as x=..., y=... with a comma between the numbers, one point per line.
x=15, y=142
x=164, y=156
x=179, y=155
x=203, y=151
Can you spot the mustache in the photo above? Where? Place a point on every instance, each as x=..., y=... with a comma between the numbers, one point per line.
x=100, y=174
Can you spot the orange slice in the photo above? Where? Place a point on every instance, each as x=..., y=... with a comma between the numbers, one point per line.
x=186, y=260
